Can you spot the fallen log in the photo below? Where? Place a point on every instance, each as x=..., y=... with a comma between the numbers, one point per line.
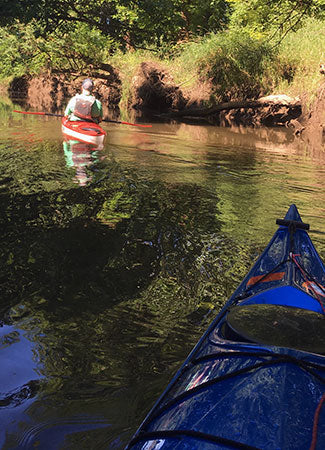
x=279, y=100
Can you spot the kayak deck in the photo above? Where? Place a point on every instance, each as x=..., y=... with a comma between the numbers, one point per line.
x=256, y=377
x=89, y=132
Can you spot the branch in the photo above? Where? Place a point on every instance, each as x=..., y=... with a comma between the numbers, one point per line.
x=291, y=27
x=289, y=18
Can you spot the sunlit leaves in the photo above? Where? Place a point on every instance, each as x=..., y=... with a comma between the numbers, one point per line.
x=76, y=49
x=274, y=18
x=19, y=50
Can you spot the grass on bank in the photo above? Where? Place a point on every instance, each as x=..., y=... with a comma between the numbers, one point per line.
x=232, y=62
x=300, y=55
x=128, y=65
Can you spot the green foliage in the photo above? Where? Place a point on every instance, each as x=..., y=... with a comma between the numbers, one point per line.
x=19, y=50
x=242, y=49
x=306, y=47
x=276, y=18
x=174, y=20
x=22, y=52
x=128, y=23
x=233, y=62
x=155, y=22
x=78, y=48
x=299, y=57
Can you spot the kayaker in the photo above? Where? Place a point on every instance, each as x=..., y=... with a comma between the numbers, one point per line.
x=85, y=106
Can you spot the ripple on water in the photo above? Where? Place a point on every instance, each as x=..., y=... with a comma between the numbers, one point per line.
x=56, y=434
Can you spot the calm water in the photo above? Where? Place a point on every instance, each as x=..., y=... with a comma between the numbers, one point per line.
x=112, y=258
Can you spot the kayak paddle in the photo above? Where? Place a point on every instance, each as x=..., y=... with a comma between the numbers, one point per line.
x=103, y=120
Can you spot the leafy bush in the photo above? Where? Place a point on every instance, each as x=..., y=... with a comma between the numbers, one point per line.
x=19, y=51
x=24, y=51
x=234, y=62
x=78, y=48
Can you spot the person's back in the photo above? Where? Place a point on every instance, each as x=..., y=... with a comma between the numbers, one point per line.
x=84, y=106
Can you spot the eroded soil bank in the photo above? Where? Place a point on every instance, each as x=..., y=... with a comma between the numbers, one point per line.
x=153, y=94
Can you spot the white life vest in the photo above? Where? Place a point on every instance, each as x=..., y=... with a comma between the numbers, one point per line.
x=83, y=106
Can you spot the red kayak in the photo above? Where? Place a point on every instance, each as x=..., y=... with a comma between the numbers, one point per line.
x=89, y=132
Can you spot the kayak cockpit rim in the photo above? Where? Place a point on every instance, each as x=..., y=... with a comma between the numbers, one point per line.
x=273, y=325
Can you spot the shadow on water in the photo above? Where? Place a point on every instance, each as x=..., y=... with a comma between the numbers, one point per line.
x=96, y=284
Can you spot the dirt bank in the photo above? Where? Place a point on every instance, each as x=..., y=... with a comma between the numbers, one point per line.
x=51, y=91
x=311, y=123
x=152, y=91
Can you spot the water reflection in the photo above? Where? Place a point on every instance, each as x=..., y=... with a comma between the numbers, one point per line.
x=82, y=157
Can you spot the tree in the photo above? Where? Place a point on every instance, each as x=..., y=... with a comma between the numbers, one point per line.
x=135, y=23
x=173, y=20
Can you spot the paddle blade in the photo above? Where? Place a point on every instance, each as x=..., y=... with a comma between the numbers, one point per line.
x=127, y=123
x=136, y=125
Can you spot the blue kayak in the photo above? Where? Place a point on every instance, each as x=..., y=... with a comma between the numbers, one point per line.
x=256, y=377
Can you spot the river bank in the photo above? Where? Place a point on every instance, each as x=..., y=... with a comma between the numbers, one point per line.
x=152, y=94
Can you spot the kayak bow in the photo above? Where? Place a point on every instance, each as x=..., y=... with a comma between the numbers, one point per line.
x=256, y=377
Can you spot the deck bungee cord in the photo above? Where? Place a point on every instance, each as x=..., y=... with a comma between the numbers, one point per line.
x=315, y=424
x=178, y=434
x=278, y=359
x=309, y=280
